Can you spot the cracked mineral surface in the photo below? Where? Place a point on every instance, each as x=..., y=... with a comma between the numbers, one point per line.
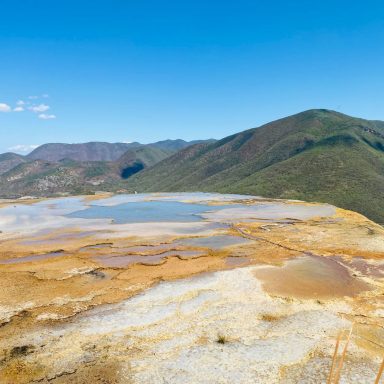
x=187, y=288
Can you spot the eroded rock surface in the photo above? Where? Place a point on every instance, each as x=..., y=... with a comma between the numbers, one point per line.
x=248, y=291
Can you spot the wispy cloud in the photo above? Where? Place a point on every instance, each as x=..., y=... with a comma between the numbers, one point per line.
x=5, y=107
x=23, y=148
x=39, y=108
x=44, y=116
x=35, y=97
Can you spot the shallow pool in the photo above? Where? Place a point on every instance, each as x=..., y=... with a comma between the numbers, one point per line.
x=146, y=212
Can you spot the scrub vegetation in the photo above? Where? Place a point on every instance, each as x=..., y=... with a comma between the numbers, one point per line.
x=317, y=155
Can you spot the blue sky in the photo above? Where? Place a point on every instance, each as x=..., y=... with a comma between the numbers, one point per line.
x=149, y=70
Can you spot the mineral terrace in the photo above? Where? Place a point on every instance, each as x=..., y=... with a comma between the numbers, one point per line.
x=187, y=288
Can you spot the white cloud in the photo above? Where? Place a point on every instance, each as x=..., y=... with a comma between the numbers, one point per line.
x=44, y=116
x=45, y=96
x=39, y=108
x=5, y=107
x=33, y=97
x=23, y=148
x=22, y=105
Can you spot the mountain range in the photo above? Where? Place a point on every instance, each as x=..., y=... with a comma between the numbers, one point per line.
x=99, y=151
x=58, y=168
x=317, y=155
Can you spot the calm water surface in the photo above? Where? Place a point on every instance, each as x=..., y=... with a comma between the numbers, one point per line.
x=147, y=211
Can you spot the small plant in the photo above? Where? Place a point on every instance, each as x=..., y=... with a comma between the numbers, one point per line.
x=22, y=350
x=337, y=366
x=221, y=339
x=381, y=369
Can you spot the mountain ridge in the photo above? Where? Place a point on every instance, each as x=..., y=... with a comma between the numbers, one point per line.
x=99, y=150
x=9, y=160
x=51, y=170
x=316, y=155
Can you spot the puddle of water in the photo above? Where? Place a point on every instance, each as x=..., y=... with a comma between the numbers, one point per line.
x=26, y=259
x=272, y=211
x=123, y=261
x=149, y=249
x=59, y=238
x=215, y=242
x=162, y=231
x=232, y=261
x=183, y=196
x=365, y=267
x=88, y=248
x=145, y=212
x=310, y=277
x=40, y=217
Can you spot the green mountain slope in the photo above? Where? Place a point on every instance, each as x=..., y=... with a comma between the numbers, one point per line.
x=316, y=155
x=69, y=176
x=98, y=151
x=177, y=145
x=93, y=151
x=137, y=159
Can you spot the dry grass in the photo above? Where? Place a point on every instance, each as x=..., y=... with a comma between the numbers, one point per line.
x=334, y=379
x=341, y=362
x=269, y=317
x=381, y=369
x=334, y=357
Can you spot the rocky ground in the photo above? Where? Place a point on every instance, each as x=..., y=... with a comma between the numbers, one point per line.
x=93, y=301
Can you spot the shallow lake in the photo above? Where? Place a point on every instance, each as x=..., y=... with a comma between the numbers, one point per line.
x=146, y=212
